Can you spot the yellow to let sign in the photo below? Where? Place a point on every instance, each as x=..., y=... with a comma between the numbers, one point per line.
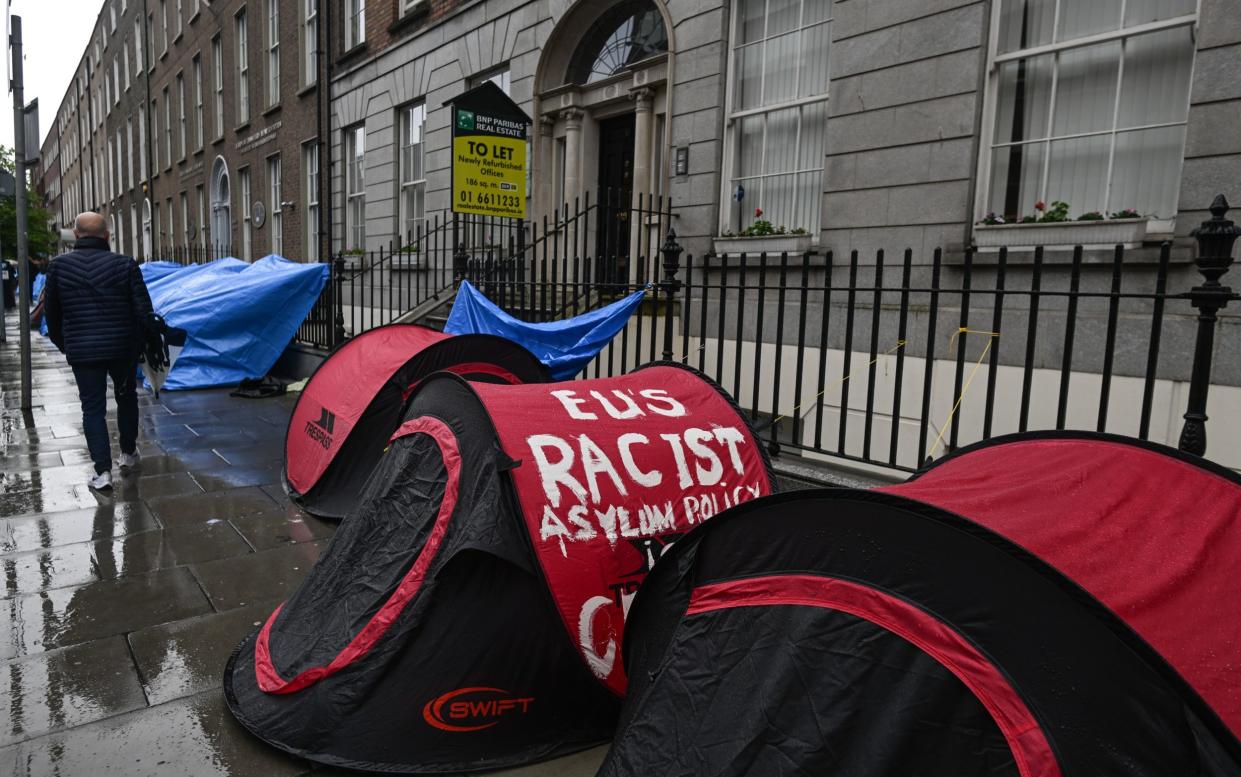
x=489, y=175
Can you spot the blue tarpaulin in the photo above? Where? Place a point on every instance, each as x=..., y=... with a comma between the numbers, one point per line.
x=40, y=281
x=238, y=317
x=564, y=346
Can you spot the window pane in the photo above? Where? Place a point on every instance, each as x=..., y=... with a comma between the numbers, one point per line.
x=1016, y=174
x=1025, y=23
x=809, y=202
x=815, y=11
x=1156, y=80
x=1077, y=173
x=1086, y=89
x=749, y=77
x=1024, y=97
x=781, y=68
x=779, y=200
x=750, y=20
x=749, y=147
x=814, y=60
x=783, y=16
x=1146, y=172
x=1079, y=18
x=1146, y=11
x=781, y=142
x=813, y=136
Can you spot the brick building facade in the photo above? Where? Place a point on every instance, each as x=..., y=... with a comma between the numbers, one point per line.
x=193, y=125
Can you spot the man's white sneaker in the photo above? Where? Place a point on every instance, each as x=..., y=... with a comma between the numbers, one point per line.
x=129, y=461
x=102, y=481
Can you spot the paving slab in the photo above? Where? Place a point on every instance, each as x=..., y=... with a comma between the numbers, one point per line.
x=281, y=526
x=137, y=554
x=190, y=737
x=68, y=687
x=50, y=530
x=262, y=576
x=214, y=505
x=66, y=616
x=188, y=656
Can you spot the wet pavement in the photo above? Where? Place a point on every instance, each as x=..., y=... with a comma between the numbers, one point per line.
x=118, y=613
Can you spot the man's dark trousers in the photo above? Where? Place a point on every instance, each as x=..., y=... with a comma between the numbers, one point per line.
x=92, y=380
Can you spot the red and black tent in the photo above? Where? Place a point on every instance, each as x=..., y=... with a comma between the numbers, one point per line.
x=1038, y=605
x=468, y=615
x=353, y=401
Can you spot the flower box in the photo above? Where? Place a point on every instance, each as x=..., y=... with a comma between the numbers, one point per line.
x=766, y=244
x=407, y=261
x=1065, y=234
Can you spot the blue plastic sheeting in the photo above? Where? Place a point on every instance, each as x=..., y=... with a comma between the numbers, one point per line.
x=40, y=281
x=564, y=346
x=153, y=271
x=238, y=317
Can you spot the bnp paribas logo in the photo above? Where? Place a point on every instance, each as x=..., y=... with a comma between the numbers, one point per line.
x=465, y=119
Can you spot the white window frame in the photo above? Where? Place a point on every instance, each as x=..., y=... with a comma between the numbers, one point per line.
x=163, y=9
x=180, y=19
x=201, y=195
x=198, y=101
x=275, y=193
x=116, y=81
x=138, y=59
x=187, y=239
x=142, y=143
x=217, y=63
x=123, y=55
x=181, y=105
x=355, y=23
x=129, y=149
x=310, y=42
x=273, y=52
x=310, y=168
x=409, y=6
x=991, y=98
x=355, y=187
x=408, y=223
x=247, y=235
x=243, y=68
x=167, y=129
x=171, y=225
x=734, y=115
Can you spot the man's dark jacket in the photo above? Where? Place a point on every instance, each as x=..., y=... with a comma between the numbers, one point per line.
x=97, y=304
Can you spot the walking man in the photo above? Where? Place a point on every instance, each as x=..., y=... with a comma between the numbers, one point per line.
x=97, y=305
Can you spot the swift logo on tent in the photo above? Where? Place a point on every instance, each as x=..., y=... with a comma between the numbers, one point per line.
x=473, y=709
x=321, y=431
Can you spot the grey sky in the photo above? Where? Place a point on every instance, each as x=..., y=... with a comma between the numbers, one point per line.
x=54, y=34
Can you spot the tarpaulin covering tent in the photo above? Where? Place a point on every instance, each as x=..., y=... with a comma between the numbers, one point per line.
x=353, y=401
x=238, y=317
x=564, y=346
x=468, y=615
x=1040, y=605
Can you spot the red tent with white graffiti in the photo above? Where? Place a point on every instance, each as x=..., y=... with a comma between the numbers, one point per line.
x=353, y=401
x=1036, y=606
x=468, y=615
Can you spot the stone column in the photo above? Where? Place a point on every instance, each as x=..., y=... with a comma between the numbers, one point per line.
x=644, y=120
x=546, y=164
x=572, y=152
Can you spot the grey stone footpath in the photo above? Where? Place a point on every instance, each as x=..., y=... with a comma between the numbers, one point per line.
x=119, y=612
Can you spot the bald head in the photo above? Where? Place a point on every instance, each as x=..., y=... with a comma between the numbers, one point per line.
x=90, y=224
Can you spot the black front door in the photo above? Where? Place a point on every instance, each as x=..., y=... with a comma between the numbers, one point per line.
x=615, y=192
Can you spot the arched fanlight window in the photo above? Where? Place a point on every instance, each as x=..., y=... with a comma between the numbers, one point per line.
x=627, y=33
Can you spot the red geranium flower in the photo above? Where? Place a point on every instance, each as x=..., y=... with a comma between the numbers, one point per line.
x=758, y=212
x=1040, y=205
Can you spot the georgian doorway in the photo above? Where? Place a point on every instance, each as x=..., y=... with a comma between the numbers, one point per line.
x=221, y=211
x=601, y=103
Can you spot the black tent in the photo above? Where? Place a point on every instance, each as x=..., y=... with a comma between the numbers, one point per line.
x=468, y=614
x=353, y=402
x=1034, y=606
